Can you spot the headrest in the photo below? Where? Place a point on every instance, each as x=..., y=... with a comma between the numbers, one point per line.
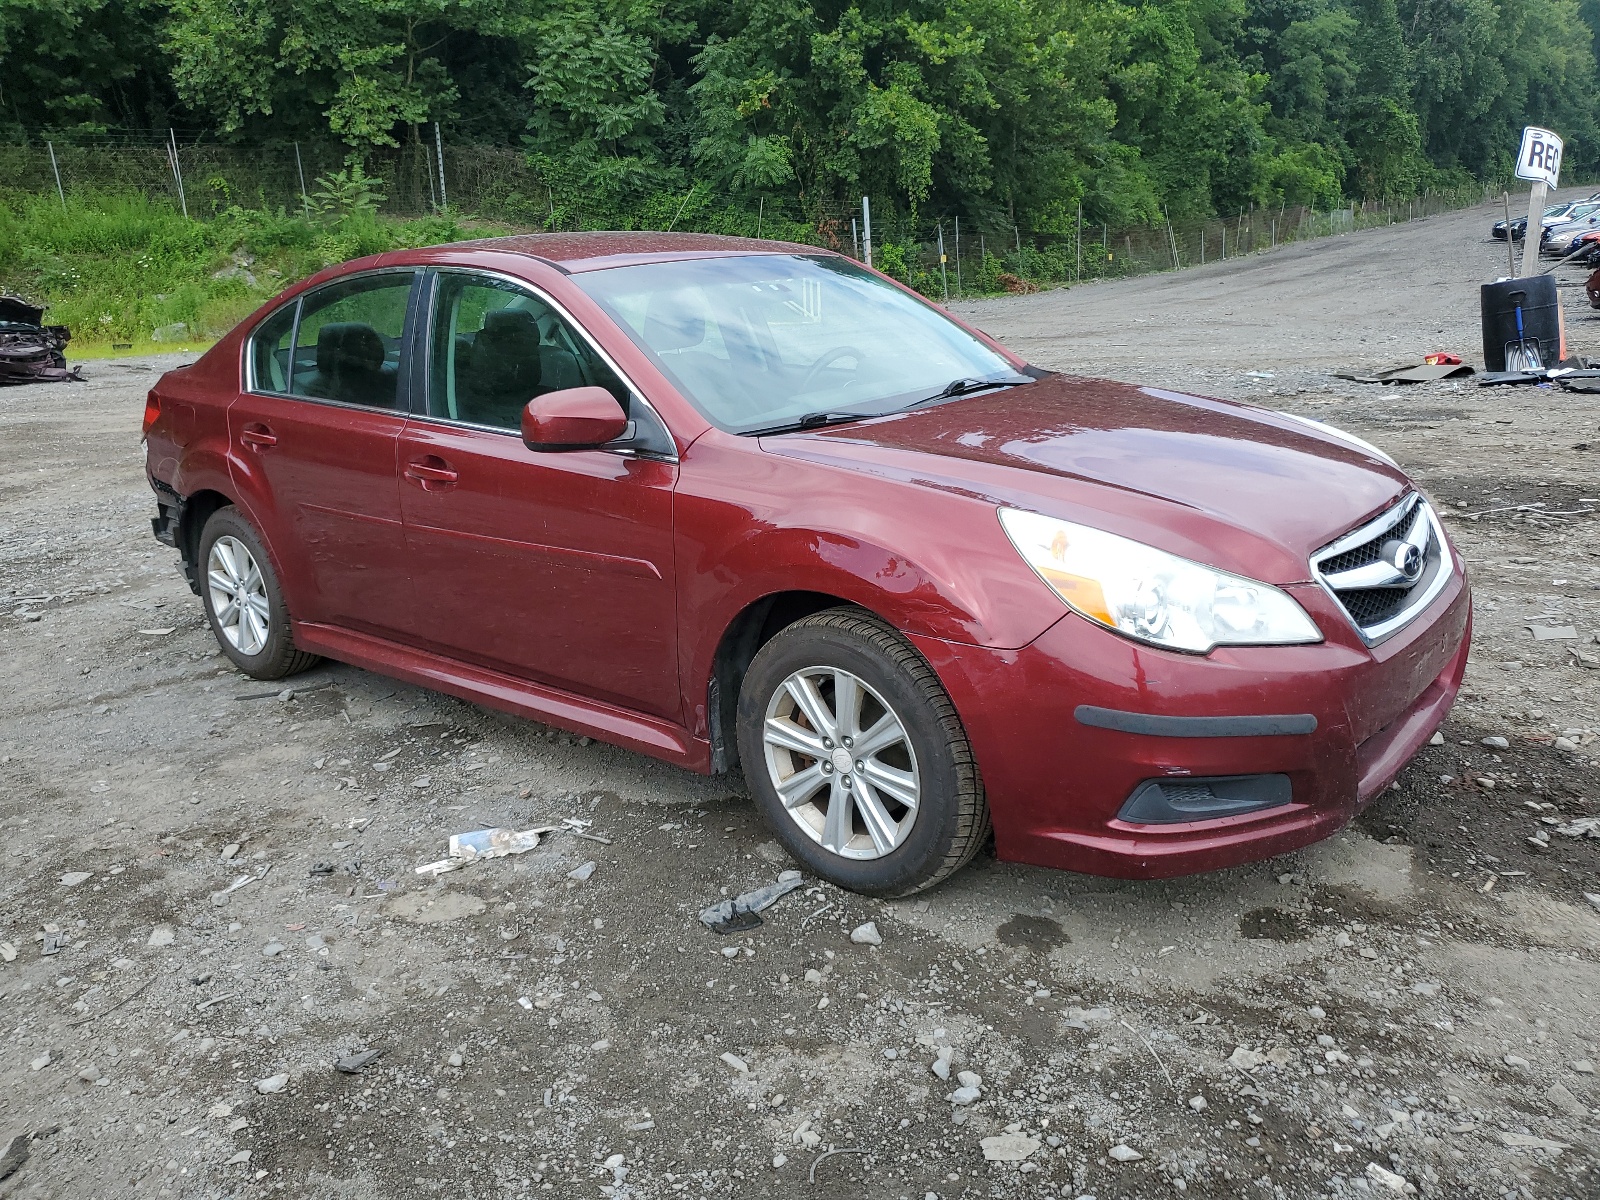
x=348, y=346
x=509, y=328
x=669, y=324
x=505, y=363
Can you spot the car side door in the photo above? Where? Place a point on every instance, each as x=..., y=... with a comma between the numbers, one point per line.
x=314, y=440
x=554, y=566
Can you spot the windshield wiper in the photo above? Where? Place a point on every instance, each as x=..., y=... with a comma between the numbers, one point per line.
x=961, y=387
x=815, y=420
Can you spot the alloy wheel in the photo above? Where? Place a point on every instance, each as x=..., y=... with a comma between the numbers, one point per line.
x=841, y=762
x=238, y=595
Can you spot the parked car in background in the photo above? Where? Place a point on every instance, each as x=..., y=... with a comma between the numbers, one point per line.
x=749, y=505
x=1589, y=244
x=1553, y=215
x=1560, y=239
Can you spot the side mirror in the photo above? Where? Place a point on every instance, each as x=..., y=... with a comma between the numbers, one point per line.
x=579, y=418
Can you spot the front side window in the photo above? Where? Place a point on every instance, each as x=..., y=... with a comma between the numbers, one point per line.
x=347, y=347
x=496, y=345
x=755, y=341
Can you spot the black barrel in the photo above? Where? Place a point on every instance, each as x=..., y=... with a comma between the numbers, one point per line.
x=1536, y=298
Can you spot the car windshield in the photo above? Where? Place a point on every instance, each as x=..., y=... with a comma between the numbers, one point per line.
x=765, y=340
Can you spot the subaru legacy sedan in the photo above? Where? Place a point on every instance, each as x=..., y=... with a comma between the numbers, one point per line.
x=751, y=506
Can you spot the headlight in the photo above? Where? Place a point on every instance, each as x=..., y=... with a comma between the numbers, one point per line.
x=1152, y=595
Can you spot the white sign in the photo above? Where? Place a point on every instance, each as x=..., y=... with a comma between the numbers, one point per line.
x=1540, y=156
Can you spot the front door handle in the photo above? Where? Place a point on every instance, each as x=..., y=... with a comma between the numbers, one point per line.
x=432, y=473
x=257, y=436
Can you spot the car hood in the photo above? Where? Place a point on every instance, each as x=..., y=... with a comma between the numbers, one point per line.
x=1564, y=227
x=1239, y=487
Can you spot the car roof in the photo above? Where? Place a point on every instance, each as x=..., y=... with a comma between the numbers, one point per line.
x=574, y=252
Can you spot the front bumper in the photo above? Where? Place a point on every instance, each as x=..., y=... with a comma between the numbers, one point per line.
x=1056, y=784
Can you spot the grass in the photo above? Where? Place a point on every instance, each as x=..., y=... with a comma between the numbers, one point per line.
x=139, y=348
x=119, y=267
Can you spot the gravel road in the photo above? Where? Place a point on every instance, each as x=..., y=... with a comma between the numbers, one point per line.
x=209, y=896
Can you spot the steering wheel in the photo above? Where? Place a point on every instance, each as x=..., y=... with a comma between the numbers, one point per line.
x=827, y=360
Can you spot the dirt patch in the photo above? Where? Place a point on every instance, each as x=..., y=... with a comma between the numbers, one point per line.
x=1272, y=925
x=1039, y=934
x=424, y=908
x=1501, y=814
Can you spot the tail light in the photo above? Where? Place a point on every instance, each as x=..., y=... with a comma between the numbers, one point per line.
x=152, y=410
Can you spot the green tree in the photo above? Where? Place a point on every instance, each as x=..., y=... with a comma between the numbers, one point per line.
x=364, y=70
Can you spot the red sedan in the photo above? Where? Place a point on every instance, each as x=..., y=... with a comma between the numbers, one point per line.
x=751, y=505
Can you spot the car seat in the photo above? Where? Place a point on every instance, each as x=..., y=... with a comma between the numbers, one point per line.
x=504, y=370
x=350, y=366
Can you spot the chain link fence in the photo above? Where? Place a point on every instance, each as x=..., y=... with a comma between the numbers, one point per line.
x=501, y=185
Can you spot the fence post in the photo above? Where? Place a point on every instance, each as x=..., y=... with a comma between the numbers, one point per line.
x=1078, y=275
x=944, y=276
x=1224, y=241
x=866, y=228
x=305, y=202
x=438, y=146
x=57, y=171
x=855, y=237
x=1202, y=245
x=761, y=215
x=177, y=168
x=433, y=191
x=959, y=292
x=1511, y=254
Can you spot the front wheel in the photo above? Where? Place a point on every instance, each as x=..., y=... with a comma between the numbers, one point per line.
x=857, y=757
x=244, y=601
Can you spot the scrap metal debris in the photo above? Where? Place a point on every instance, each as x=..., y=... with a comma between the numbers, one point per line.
x=579, y=828
x=733, y=916
x=351, y=1064
x=30, y=351
x=485, y=843
x=1423, y=372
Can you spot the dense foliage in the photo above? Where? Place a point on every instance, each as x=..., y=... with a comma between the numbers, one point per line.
x=1001, y=110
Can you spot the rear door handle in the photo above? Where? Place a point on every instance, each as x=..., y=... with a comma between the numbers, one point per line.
x=258, y=436
x=432, y=472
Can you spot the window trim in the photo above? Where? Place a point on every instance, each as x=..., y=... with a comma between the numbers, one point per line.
x=402, y=374
x=420, y=412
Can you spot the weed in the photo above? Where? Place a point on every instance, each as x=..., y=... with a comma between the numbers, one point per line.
x=118, y=266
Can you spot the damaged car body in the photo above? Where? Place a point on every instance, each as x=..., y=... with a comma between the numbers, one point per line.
x=31, y=351
x=751, y=506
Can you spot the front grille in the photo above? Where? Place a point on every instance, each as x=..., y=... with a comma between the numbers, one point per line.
x=1368, y=606
x=1387, y=571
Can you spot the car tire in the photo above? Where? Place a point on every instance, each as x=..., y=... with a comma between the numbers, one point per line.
x=913, y=747
x=243, y=599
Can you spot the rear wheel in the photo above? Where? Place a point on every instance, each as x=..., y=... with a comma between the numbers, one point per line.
x=243, y=600
x=855, y=754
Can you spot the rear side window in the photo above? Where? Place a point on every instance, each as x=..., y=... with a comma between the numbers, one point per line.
x=348, y=345
x=273, y=345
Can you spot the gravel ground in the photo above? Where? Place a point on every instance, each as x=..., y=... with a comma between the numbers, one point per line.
x=1415, y=998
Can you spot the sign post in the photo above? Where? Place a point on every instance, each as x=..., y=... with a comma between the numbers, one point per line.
x=1538, y=160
